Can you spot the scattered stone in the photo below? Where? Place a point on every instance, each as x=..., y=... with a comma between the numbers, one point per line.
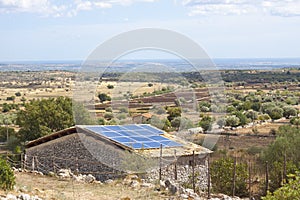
x=134, y=184
x=172, y=188
x=89, y=179
x=65, y=173
x=11, y=197
x=109, y=181
x=184, y=196
x=24, y=197
x=98, y=182
x=147, y=185
x=162, y=185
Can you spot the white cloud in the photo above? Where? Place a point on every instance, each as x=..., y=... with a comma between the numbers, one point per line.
x=283, y=8
x=63, y=8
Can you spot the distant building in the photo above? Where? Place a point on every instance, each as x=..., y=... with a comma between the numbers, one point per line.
x=106, y=152
x=141, y=118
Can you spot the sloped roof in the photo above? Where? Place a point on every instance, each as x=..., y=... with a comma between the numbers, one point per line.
x=169, y=142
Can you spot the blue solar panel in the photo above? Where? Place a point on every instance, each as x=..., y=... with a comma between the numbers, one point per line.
x=97, y=129
x=128, y=133
x=140, y=139
x=122, y=139
x=158, y=138
x=110, y=134
x=115, y=128
x=152, y=144
x=134, y=136
x=132, y=127
x=152, y=129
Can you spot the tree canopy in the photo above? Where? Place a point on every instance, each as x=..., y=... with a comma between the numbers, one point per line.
x=41, y=117
x=286, y=145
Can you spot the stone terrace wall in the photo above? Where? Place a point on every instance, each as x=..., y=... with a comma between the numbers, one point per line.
x=184, y=172
x=78, y=152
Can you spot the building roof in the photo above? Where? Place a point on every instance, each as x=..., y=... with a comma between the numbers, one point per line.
x=140, y=138
x=146, y=115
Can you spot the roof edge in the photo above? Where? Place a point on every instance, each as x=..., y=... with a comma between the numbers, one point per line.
x=50, y=137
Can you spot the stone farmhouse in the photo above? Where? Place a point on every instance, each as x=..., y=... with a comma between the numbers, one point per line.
x=113, y=151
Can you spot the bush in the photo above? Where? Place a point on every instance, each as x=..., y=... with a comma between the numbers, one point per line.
x=291, y=190
x=222, y=174
x=11, y=98
x=110, y=86
x=7, y=178
x=18, y=94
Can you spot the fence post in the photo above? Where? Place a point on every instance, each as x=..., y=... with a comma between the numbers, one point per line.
x=193, y=167
x=33, y=163
x=267, y=177
x=250, y=194
x=208, y=177
x=160, y=162
x=21, y=161
x=234, y=177
x=175, y=165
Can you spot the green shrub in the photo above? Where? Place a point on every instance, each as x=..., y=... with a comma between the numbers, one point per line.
x=222, y=176
x=291, y=190
x=7, y=178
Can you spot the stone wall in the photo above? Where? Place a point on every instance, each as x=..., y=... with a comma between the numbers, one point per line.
x=78, y=152
x=184, y=169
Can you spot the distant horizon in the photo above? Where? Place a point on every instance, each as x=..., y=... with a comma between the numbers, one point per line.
x=76, y=61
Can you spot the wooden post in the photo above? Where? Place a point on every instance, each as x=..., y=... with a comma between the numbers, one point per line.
x=208, y=177
x=250, y=194
x=32, y=163
x=160, y=162
x=267, y=177
x=21, y=161
x=175, y=165
x=234, y=177
x=193, y=167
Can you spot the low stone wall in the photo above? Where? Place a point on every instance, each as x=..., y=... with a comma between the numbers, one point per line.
x=184, y=170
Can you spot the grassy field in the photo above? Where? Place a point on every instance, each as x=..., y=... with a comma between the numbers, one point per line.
x=53, y=188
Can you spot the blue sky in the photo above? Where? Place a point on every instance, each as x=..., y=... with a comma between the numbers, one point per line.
x=71, y=29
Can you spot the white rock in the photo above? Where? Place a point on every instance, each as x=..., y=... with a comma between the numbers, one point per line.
x=147, y=185
x=162, y=183
x=184, y=196
x=11, y=197
x=134, y=184
x=89, y=179
x=24, y=197
x=109, y=181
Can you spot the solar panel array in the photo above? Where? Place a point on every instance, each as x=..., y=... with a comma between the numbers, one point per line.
x=140, y=136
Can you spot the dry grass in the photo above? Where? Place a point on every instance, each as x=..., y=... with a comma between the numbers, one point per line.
x=59, y=189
